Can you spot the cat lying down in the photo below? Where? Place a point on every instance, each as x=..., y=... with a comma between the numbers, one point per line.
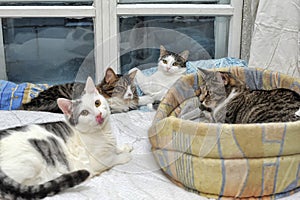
x=225, y=98
x=58, y=155
x=120, y=91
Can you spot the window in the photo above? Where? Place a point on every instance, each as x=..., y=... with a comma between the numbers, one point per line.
x=51, y=50
x=116, y=31
x=141, y=37
x=45, y=2
x=177, y=2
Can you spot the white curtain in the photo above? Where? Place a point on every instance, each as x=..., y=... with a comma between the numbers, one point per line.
x=275, y=43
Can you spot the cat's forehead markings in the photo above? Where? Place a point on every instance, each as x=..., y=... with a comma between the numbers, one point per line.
x=169, y=58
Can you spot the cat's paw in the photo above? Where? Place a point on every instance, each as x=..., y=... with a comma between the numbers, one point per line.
x=150, y=106
x=127, y=148
x=127, y=157
x=124, y=149
x=145, y=100
x=124, y=158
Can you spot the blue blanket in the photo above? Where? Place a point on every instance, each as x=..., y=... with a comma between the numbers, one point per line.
x=12, y=95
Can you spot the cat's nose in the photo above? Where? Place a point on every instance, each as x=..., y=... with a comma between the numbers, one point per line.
x=129, y=95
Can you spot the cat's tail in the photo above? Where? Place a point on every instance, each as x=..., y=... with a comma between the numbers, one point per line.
x=10, y=189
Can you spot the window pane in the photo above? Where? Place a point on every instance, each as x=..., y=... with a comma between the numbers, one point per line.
x=141, y=37
x=45, y=2
x=176, y=1
x=48, y=50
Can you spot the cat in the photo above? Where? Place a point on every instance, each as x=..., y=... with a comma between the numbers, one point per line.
x=229, y=100
x=124, y=96
x=108, y=83
x=46, y=100
x=171, y=67
x=41, y=160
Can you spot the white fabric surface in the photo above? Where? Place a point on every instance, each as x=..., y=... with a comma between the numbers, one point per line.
x=275, y=42
x=141, y=178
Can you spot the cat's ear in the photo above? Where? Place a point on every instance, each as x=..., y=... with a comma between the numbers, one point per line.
x=184, y=55
x=65, y=105
x=110, y=75
x=90, y=86
x=203, y=72
x=132, y=75
x=226, y=78
x=163, y=51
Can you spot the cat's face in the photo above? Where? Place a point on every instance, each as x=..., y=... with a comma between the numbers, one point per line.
x=171, y=62
x=108, y=83
x=218, y=86
x=213, y=89
x=125, y=87
x=87, y=113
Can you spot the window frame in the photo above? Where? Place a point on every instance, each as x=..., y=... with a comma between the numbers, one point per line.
x=106, y=15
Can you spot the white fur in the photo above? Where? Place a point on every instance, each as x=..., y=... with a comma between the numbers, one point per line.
x=168, y=67
x=156, y=86
x=92, y=147
x=128, y=94
x=298, y=113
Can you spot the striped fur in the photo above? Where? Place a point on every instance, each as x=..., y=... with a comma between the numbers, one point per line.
x=40, y=160
x=231, y=101
x=15, y=190
x=46, y=100
x=124, y=96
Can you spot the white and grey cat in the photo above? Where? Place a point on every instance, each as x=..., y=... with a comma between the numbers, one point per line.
x=43, y=159
x=171, y=67
x=124, y=96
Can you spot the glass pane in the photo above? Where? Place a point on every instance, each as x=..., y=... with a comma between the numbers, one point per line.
x=141, y=37
x=48, y=50
x=176, y=1
x=45, y=2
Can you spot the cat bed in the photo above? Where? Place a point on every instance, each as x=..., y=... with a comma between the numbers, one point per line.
x=226, y=161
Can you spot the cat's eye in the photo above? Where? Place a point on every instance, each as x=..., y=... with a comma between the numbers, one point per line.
x=97, y=103
x=175, y=64
x=165, y=61
x=84, y=113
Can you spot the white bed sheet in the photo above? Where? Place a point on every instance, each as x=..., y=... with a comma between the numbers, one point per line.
x=141, y=178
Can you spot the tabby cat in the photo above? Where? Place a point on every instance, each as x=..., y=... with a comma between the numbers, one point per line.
x=43, y=159
x=171, y=67
x=229, y=100
x=46, y=100
x=124, y=96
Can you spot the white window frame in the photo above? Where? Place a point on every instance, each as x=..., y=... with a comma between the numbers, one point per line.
x=106, y=15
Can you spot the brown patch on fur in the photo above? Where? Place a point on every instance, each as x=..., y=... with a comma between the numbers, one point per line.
x=108, y=83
